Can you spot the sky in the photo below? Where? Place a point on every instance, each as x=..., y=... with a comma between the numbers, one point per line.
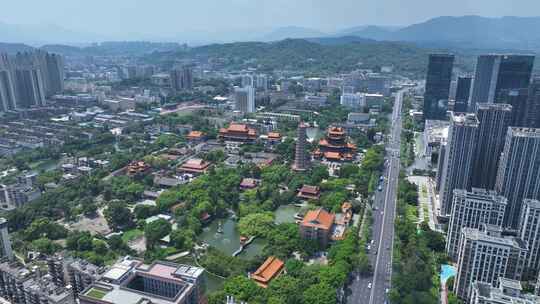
x=167, y=18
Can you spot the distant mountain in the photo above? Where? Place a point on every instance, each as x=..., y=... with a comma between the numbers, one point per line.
x=304, y=55
x=13, y=48
x=465, y=32
x=113, y=48
x=340, y=40
x=291, y=32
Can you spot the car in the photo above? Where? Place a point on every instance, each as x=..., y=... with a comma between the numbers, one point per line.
x=369, y=285
x=387, y=290
x=380, y=188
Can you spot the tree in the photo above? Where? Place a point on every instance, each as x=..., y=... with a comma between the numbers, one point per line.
x=242, y=288
x=45, y=246
x=256, y=224
x=182, y=239
x=285, y=288
x=321, y=293
x=155, y=231
x=118, y=216
x=145, y=211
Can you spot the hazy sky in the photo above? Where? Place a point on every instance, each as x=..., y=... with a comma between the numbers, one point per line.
x=167, y=17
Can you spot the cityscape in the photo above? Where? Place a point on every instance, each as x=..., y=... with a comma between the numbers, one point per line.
x=313, y=164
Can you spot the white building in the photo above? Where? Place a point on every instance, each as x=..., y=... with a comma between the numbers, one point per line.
x=353, y=101
x=472, y=210
x=485, y=256
x=508, y=292
x=245, y=99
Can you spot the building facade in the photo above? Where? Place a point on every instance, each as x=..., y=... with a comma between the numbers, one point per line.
x=439, y=76
x=529, y=232
x=499, y=72
x=494, y=120
x=245, y=99
x=472, y=210
x=518, y=176
x=458, y=158
x=485, y=256
x=463, y=90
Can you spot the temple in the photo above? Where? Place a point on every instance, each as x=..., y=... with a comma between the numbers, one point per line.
x=238, y=132
x=335, y=146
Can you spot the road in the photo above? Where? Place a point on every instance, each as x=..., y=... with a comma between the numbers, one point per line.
x=383, y=223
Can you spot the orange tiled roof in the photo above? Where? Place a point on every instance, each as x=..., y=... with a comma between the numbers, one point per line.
x=238, y=128
x=310, y=189
x=332, y=155
x=270, y=269
x=274, y=135
x=195, y=135
x=319, y=218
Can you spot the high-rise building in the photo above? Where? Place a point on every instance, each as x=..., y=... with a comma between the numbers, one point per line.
x=182, y=78
x=485, y=256
x=518, y=176
x=529, y=232
x=507, y=292
x=518, y=99
x=5, y=246
x=494, y=121
x=27, y=79
x=533, y=105
x=537, y=287
x=261, y=82
x=245, y=99
x=301, y=157
x=458, y=158
x=499, y=72
x=439, y=76
x=247, y=80
x=29, y=85
x=463, y=91
x=472, y=210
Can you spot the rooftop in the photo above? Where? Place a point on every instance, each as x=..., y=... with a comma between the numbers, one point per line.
x=319, y=218
x=270, y=269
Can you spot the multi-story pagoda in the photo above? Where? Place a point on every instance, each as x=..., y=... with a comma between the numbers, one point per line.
x=335, y=146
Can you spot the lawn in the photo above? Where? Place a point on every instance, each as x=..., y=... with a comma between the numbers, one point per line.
x=130, y=235
x=96, y=293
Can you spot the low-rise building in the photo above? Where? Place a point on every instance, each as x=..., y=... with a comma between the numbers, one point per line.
x=309, y=192
x=269, y=270
x=137, y=167
x=133, y=282
x=195, y=166
x=317, y=225
x=238, y=133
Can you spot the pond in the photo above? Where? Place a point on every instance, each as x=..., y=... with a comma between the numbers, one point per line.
x=213, y=283
x=447, y=271
x=285, y=214
x=229, y=241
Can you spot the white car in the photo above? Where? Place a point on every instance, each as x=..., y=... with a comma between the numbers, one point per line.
x=369, y=285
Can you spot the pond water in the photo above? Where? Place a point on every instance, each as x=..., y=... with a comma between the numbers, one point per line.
x=229, y=241
x=285, y=214
x=213, y=283
x=447, y=271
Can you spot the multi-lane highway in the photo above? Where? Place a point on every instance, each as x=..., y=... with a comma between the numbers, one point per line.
x=373, y=289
